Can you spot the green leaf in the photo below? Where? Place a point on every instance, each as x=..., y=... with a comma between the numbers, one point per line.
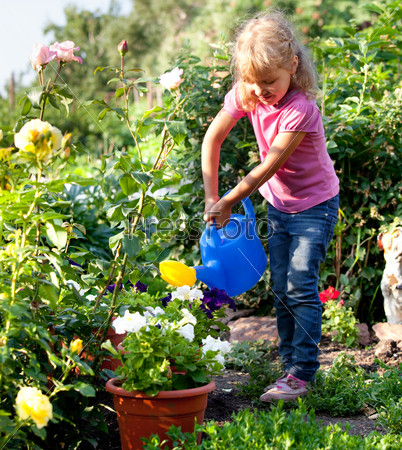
x=56, y=235
x=49, y=295
x=52, y=101
x=85, y=389
x=163, y=206
x=131, y=245
x=134, y=276
x=109, y=68
x=141, y=177
x=115, y=240
x=26, y=107
x=119, y=92
x=128, y=184
x=178, y=130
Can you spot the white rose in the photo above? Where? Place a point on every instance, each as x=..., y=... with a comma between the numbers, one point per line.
x=172, y=80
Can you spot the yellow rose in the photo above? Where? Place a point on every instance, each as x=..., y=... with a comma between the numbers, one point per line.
x=39, y=138
x=31, y=403
x=76, y=345
x=177, y=273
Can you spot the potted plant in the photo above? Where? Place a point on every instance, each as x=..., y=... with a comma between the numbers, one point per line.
x=171, y=351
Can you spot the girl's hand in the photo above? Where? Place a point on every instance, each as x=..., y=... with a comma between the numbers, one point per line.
x=209, y=203
x=220, y=212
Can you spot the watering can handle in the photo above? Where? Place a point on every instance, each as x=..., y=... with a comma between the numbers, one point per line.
x=213, y=234
x=248, y=207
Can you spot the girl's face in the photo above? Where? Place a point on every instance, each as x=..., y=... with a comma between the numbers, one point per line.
x=273, y=87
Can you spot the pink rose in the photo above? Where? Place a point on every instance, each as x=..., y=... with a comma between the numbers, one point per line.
x=41, y=55
x=65, y=51
x=172, y=80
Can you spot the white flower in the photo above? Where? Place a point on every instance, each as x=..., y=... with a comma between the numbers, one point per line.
x=187, y=318
x=131, y=323
x=220, y=359
x=210, y=343
x=153, y=312
x=187, y=331
x=172, y=80
x=196, y=294
x=186, y=293
x=76, y=285
x=1, y=135
x=91, y=297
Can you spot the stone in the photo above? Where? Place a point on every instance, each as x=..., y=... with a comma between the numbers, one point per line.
x=231, y=315
x=385, y=349
x=388, y=331
x=364, y=334
x=253, y=328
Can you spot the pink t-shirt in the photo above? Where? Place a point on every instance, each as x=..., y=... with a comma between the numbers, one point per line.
x=308, y=177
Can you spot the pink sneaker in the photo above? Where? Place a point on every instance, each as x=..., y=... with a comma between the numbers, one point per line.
x=289, y=388
x=281, y=378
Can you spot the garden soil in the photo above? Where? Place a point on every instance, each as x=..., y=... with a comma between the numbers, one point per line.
x=226, y=399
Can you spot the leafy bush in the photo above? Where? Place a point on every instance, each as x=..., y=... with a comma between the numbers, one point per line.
x=253, y=358
x=274, y=429
x=341, y=323
x=361, y=100
x=338, y=391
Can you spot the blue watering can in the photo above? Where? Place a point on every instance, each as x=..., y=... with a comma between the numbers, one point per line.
x=233, y=257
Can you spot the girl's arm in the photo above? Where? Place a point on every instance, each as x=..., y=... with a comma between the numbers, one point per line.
x=283, y=146
x=211, y=146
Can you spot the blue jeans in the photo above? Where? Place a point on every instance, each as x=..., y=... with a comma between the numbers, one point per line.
x=297, y=248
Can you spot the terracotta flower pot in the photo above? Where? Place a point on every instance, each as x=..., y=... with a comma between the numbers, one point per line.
x=140, y=415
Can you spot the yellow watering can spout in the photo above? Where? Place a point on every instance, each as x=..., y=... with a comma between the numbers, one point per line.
x=177, y=273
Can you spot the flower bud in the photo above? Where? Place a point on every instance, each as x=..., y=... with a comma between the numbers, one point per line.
x=76, y=346
x=65, y=144
x=122, y=48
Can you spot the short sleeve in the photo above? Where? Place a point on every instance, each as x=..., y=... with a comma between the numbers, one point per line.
x=304, y=117
x=231, y=105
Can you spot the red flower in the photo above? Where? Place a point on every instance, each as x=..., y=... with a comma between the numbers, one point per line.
x=329, y=294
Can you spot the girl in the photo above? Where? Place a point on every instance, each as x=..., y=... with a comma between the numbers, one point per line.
x=274, y=87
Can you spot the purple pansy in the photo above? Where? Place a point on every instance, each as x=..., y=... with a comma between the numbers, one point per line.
x=214, y=300
x=140, y=287
x=166, y=300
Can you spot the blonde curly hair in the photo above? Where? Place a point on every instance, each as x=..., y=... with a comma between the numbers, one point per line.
x=263, y=44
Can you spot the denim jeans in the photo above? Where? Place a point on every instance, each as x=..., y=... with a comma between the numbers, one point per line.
x=297, y=248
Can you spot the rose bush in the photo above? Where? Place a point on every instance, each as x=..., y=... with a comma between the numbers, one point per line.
x=60, y=286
